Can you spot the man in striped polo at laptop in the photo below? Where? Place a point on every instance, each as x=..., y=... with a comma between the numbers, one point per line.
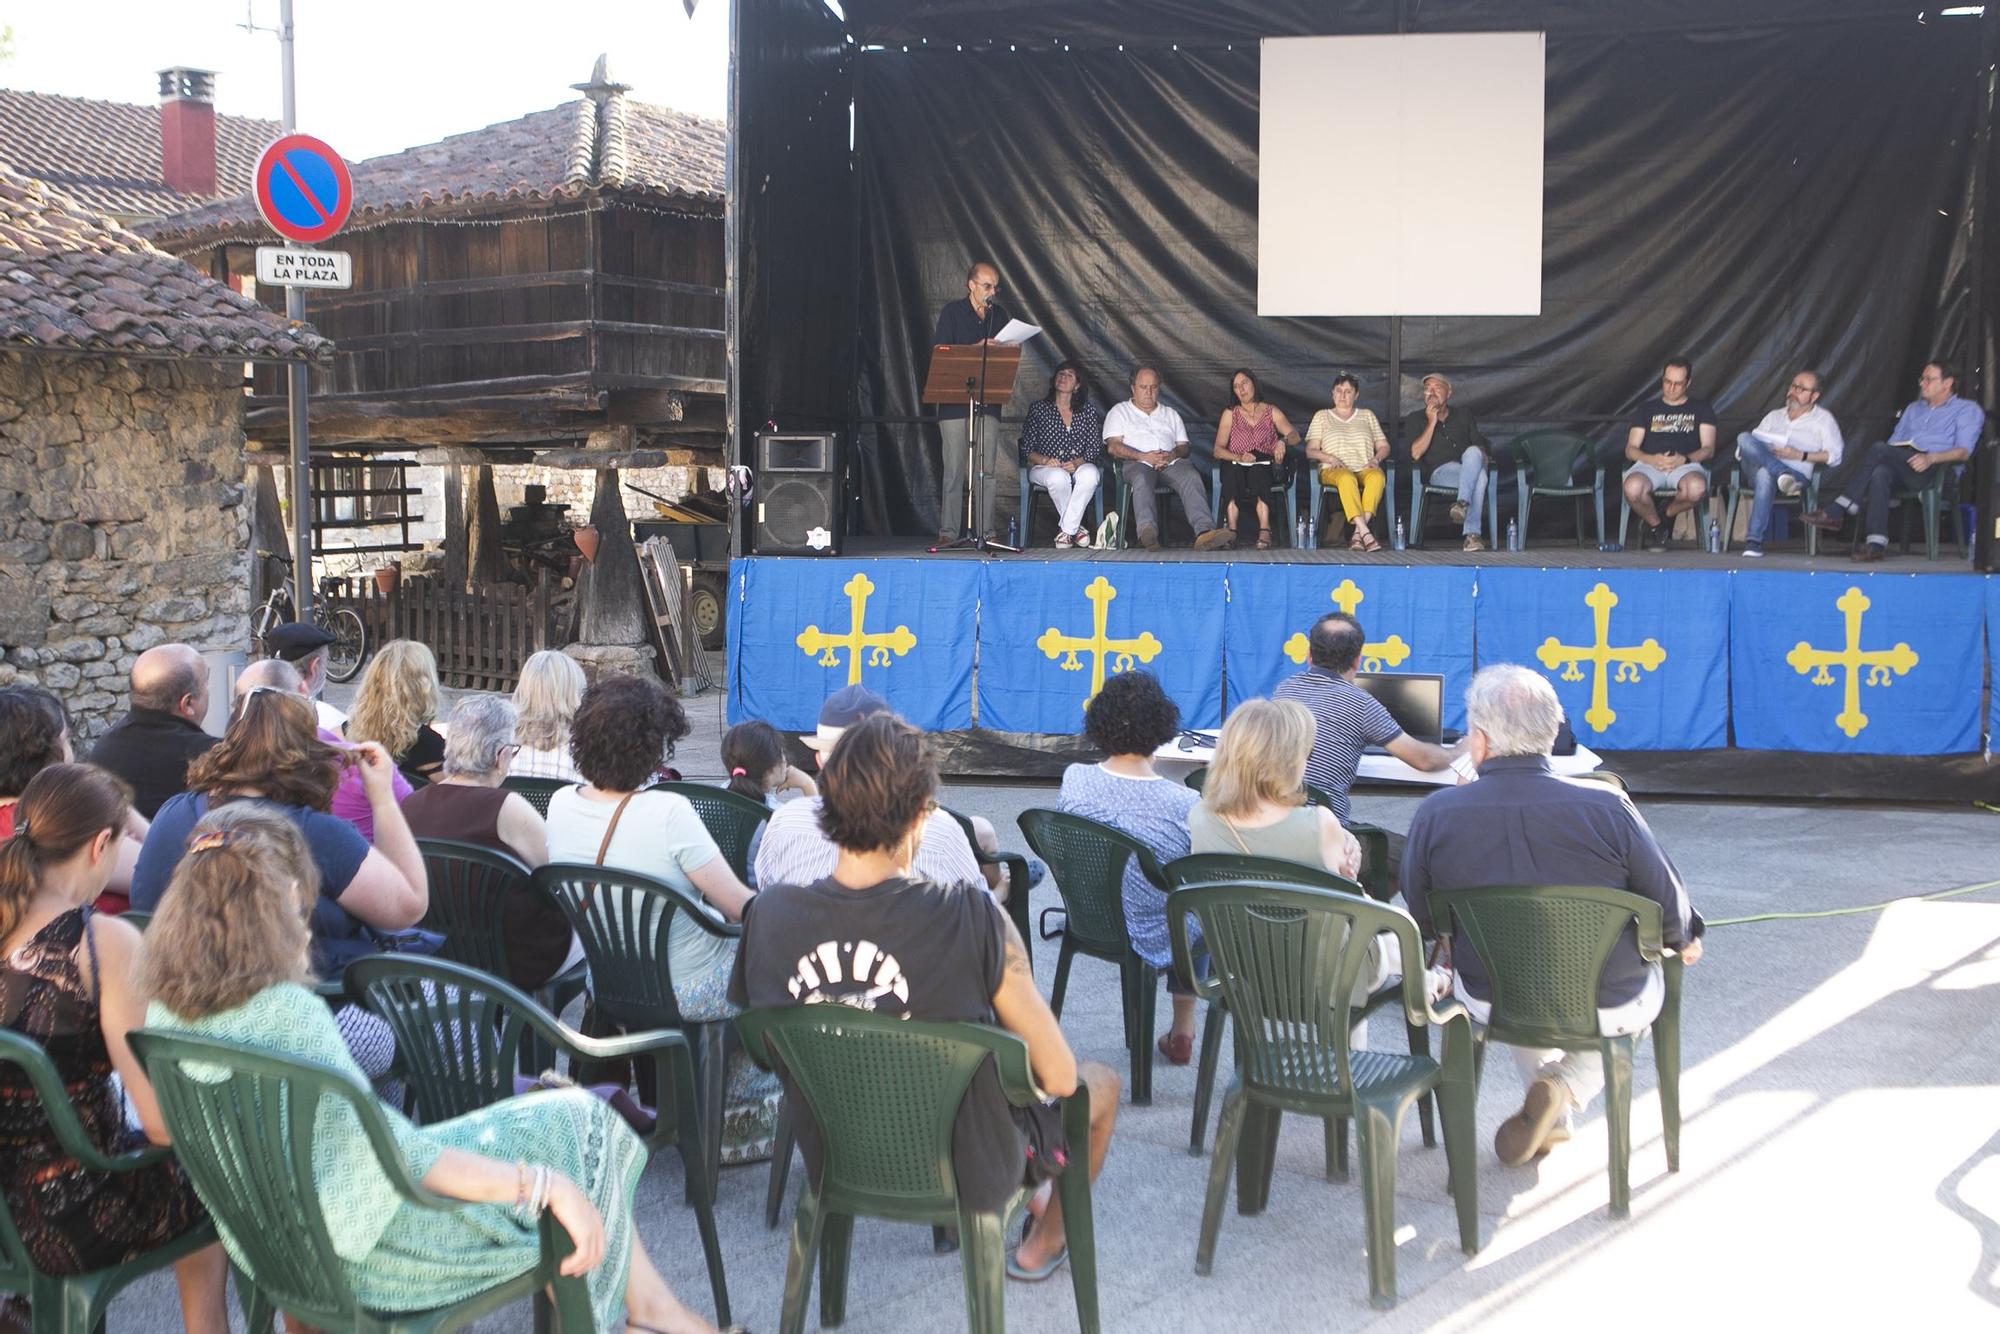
x=1347, y=719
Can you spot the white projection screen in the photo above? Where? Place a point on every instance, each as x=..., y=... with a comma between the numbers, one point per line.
x=1401, y=175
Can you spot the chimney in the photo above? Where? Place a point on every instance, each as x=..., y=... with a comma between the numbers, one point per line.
x=187, y=130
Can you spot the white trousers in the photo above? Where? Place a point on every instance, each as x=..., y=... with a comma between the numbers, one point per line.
x=1071, y=493
x=1581, y=1072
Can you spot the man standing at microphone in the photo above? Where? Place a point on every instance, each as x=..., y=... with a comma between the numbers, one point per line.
x=975, y=319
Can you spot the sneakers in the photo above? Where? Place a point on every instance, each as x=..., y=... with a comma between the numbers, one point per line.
x=1149, y=538
x=1064, y=541
x=1754, y=550
x=1474, y=542
x=1213, y=538
x=1656, y=537
x=1532, y=1129
x=1083, y=538
x=1458, y=508
x=1788, y=484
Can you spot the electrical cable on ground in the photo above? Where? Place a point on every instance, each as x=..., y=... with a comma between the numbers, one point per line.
x=1855, y=911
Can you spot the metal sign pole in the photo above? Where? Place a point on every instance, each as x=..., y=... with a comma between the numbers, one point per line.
x=297, y=376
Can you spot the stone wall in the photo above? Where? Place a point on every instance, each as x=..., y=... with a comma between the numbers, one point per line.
x=123, y=521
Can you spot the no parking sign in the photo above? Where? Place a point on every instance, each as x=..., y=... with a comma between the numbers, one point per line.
x=303, y=189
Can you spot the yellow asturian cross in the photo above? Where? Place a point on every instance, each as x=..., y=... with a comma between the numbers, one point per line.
x=878, y=645
x=1123, y=652
x=1879, y=662
x=1628, y=660
x=1374, y=657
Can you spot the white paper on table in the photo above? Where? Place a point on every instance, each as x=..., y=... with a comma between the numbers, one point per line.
x=1016, y=333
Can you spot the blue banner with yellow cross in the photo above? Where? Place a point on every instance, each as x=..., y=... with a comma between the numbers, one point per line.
x=1992, y=655
x=1880, y=664
x=1051, y=633
x=801, y=629
x=1413, y=619
x=1639, y=658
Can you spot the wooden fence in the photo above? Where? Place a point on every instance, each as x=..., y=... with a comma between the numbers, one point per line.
x=480, y=638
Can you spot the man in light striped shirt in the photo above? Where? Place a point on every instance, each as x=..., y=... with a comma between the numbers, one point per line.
x=1346, y=718
x=795, y=852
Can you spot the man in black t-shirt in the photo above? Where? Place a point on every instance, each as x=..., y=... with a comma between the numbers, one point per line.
x=872, y=937
x=1446, y=444
x=1670, y=439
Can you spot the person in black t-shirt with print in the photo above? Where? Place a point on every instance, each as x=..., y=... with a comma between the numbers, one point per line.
x=1671, y=439
x=872, y=937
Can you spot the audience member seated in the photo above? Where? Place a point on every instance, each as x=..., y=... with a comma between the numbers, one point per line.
x=468, y=805
x=271, y=756
x=395, y=704
x=1520, y=824
x=350, y=797
x=955, y=956
x=796, y=851
x=1253, y=800
x=66, y=981
x=1348, y=444
x=1128, y=720
x=34, y=734
x=546, y=698
x=305, y=648
x=230, y=959
x=152, y=745
x=624, y=729
x=754, y=754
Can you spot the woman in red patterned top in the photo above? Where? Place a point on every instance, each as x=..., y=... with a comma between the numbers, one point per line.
x=1250, y=445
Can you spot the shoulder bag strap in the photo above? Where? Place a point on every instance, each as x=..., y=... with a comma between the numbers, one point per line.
x=612, y=828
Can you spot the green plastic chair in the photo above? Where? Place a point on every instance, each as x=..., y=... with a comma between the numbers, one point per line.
x=1807, y=500
x=1544, y=948
x=1422, y=489
x=731, y=819
x=1927, y=498
x=1374, y=840
x=1087, y=861
x=884, y=1093
x=536, y=790
x=1234, y=868
x=469, y=887
x=1286, y=961
x=1028, y=490
x=1017, y=883
x=1320, y=493
x=1661, y=496
x=460, y=1034
x=623, y=920
x=75, y=1303
x=1545, y=465
x=246, y=1141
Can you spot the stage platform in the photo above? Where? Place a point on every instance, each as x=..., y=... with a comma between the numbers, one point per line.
x=1711, y=675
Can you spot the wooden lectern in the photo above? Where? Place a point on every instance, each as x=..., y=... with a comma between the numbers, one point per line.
x=975, y=375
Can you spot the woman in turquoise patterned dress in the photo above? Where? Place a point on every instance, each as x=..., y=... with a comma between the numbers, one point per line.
x=227, y=959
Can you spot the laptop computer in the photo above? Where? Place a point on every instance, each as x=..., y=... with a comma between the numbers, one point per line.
x=1414, y=699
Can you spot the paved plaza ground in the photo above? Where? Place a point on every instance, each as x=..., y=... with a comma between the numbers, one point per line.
x=1840, y=1152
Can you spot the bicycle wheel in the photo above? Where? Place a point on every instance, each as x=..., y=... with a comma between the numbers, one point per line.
x=350, y=642
x=268, y=619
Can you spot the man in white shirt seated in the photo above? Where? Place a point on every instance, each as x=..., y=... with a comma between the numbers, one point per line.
x=1149, y=442
x=1780, y=455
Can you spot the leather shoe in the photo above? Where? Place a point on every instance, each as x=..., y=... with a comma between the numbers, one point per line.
x=1527, y=1132
x=1149, y=538
x=1867, y=553
x=1822, y=518
x=1178, y=1048
x=1215, y=537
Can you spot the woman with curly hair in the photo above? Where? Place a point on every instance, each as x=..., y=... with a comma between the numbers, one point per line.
x=228, y=958
x=395, y=705
x=34, y=734
x=547, y=696
x=67, y=983
x=624, y=730
x=1128, y=720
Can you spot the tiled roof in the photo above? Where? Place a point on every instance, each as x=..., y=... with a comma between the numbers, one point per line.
x=71, y=281
x=619, y=146
x=106, y=155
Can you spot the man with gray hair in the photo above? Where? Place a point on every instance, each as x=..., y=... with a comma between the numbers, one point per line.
x=1447, y=448
x=1150, y=442
x=153, y=744
x=1521, y=824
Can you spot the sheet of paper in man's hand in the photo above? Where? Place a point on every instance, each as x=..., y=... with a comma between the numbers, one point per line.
x=1016, y=333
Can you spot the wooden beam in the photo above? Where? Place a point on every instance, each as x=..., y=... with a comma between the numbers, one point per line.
x=646, y=406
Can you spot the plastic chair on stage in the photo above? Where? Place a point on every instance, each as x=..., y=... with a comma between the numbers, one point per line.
x=1545, y=464
x=1807, y=499
x=1420, y=489
x=1028, y=490
x=1390, y=470
x=1163, y=495
x=1662, y=495
x=1282, y=487
x=1927, y=499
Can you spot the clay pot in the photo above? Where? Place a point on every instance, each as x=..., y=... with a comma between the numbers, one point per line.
x=586, y=539
x=386, y=579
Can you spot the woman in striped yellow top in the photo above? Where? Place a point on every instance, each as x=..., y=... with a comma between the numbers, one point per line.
x=1348, y=444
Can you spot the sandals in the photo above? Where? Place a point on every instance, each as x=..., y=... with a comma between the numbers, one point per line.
x=1363, y=540
x=1263, y=539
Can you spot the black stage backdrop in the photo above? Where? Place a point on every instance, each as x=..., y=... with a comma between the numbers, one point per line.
x=1761, y=185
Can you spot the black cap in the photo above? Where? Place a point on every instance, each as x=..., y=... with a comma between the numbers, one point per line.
x=296, y=639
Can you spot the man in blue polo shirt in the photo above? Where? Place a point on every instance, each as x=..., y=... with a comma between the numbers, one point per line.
x=1937, y=431
x=973, y=318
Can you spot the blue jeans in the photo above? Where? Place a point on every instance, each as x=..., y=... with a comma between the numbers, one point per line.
x=1468, y=474
x=1763, y=469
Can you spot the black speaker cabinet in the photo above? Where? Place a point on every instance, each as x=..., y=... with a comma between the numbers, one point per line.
x=797, y=510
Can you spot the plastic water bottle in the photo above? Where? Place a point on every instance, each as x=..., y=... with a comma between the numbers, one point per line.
x=1714, y=538
x=1299, y=536
x=1396, y=538
x=1513, y=534
x=1014, y=532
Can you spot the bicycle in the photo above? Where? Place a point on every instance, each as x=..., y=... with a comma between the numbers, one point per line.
x=350, y=638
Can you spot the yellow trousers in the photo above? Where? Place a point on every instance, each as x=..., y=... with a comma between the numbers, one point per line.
x=1358, y=497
